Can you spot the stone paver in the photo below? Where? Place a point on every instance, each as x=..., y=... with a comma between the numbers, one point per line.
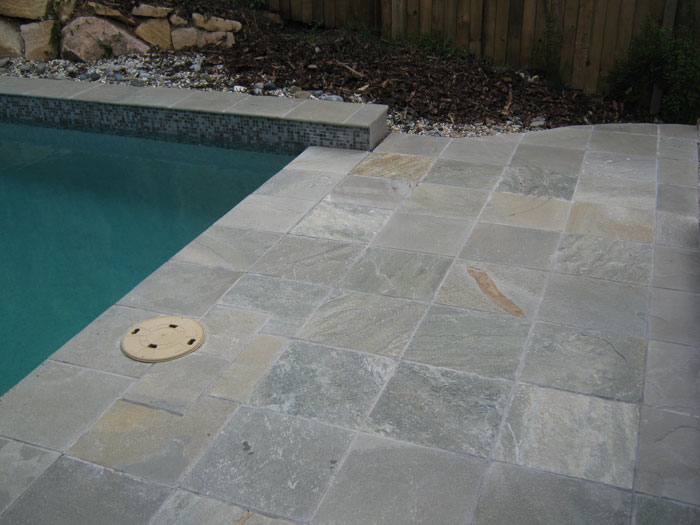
x=626, y=143
x=672, y=377
x=674, y=317
x=676, y=230
x=227, y=331
x=538, y=182
x=526, y=211
x=266, y=213
x=413, y=145
x=677, y=268
x=20, y=465
x=400, y=483
x=651, y=511
x=682, y=172
x=449, y=201
x=343, y=222
x=492, y=150
x=516, y=495
x=558, y=160
x=298, y=184
x=369, y=191
x=264, y=460
x=424, y=233
x=615, y=222
x=616, y=191
x=608, y=164
x=394, y=166
x=463, y=174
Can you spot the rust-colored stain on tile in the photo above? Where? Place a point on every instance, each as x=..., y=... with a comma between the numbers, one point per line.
x=394, y=166
x=487, y=286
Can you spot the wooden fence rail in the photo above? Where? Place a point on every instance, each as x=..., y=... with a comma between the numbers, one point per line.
x=587, y=36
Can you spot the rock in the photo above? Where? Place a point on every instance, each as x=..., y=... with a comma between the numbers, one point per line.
x=184, y=37
x=151, y=11
x=93, y=76
x=103, y=10
x=257, y=91
x=155, y=31
x=11, y=44
x=118, y=77
x=302, y=94
x=37, y=40
x=65, y=12
x=197, y=67
x=215, y=23
x=222, y=38
x=239, y=89
x=4, y=62
x=25, y=68
x=89, y=38
x=331, y=98
x=32, y=9
x=177, y=21
x=269, y=86
x=294, y=89
x=537, y=122
x=316, y=92
x=137, y=83
x=40, y=68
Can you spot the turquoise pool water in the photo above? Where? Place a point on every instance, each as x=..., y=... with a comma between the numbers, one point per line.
x=85, y=217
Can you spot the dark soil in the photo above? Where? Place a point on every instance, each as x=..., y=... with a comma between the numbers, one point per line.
x=413, y=80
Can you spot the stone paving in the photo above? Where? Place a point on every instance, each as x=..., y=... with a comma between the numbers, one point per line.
x=501, y=330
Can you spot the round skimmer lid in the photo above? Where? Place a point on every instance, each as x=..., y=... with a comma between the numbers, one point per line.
x=162, y=339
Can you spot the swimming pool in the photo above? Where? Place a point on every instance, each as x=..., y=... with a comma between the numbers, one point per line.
x=85, y=217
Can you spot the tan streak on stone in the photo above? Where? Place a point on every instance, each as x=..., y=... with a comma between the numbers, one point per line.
x=491, y=290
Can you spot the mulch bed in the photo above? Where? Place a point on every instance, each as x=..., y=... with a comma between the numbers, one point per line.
x=412, y=80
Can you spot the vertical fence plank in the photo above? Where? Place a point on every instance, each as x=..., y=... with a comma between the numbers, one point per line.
x=317, y=12
x=566, y=62
x=450, y=15
x=329, y=13
x=386, y=18
x=286, y=9
x=296, y=10
x=273, y=5
x=596, y=47
x=307, y=11
x=462, y=29
x=341, y=13
x=528, y=32
x=607, y=59
x=500, y=49
x=426, y=16
x=624, y=36
x=489, y=34
x=475, y=26
x=398, y=19
x=583, y=40
x=515, y=32
x=412, y=18
x=643, y=10
x=438, y=21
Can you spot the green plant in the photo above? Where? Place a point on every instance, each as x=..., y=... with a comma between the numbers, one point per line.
x=545, y=50
x=106, y=46
x=665, y=57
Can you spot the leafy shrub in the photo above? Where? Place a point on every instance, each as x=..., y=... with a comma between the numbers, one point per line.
x=669, y=57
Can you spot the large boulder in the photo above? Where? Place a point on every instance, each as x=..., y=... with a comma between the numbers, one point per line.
x=151, y=11
x=37, y=40
x=184, y=37
x=32, y=9
x=90, y=38
x=219, y=38
x=215, y=23
x=65, y=11
x=103, y=10
x=11, y=44
x=155, y=31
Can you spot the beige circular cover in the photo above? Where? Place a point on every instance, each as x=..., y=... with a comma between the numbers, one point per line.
x=162, y=339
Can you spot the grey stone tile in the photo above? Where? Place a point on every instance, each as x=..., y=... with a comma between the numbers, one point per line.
x=616, y=191
x=516, y=495
x=335, y=386
x=615, y=222
x=463, y=174
x=227, y=248
x=612, y=259
x=19, y=86
x=323, y=111
x=595, y=304
x=413, y=144
x=299, y=184
x=237, y=382
x=672, y=377
x=627, y=143
x=20, y=465
x=527, y=212
x=61, y=89
x=314, y=260
x=476, y=342
x=481, y=151
x=607, y=164
x=180, y=288
x=56, y=403
x=571, y=434
x=669, y=463
x=157, y=97
x=289, y=302
x=681, y=131
x=599, y=363
x=327, y=160
x=560, y=160
x=267, y=213
x=424, y=233
x=176, y=385
x=441, y=408
x=343, y=222
x=265, y=106
x=677, y=199
x=274, y=463
x=149, y=443
x=210, y=101
x=397, y=274
x=677, y=230
x=369, y=323
x=561, y=138
x=107, y=93
x=448, y=201
x=386, y=475
x=394, y=166
x=674, y=317
x=227, y=331
x=75, y=492
x=368, y=191
x=538, y=182
x=98, y=344
x=681, y=172
x=512, y=246
x=677, y=268
x=652, y=511
x=673, y=148
x=640, y=129
x=186, y=508
x=493, y=288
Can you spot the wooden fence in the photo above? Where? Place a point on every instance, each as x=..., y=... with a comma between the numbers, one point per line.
x=588, y=36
